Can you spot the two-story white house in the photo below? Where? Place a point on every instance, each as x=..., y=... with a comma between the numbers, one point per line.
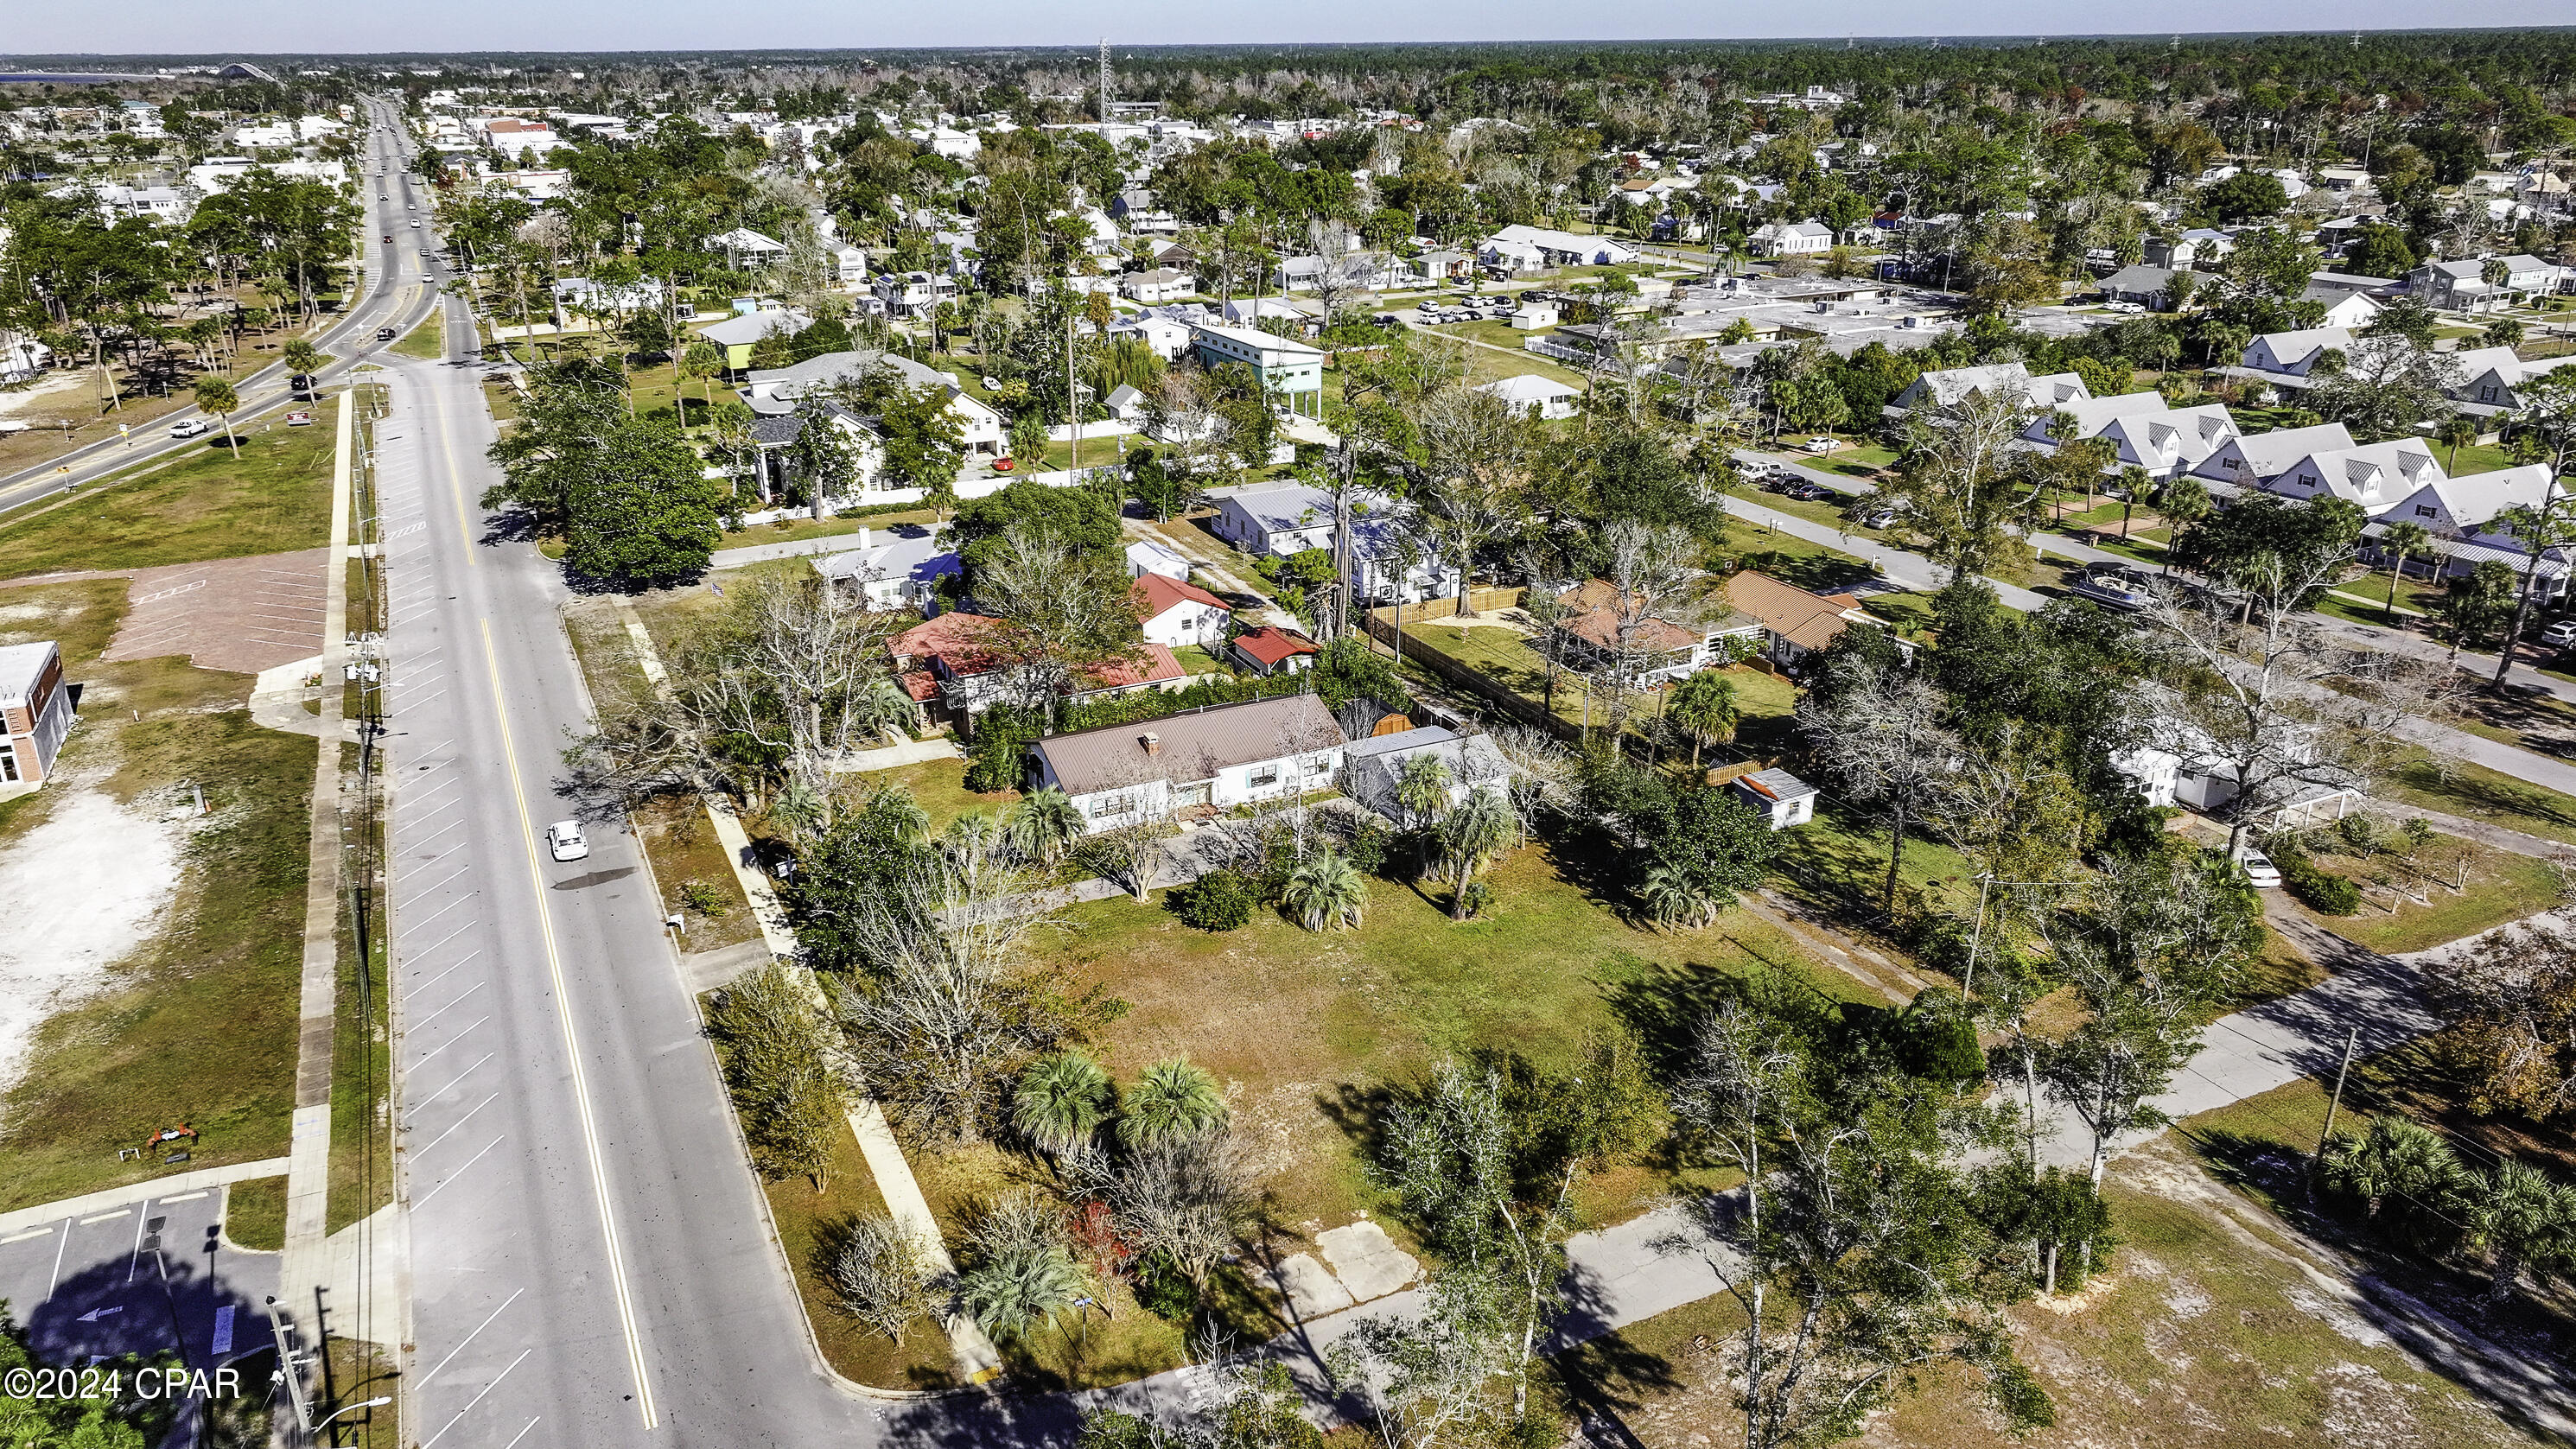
x=2251, y=460
x=1294, y=517
x=2377, y=476
x=1293, y=368
x=899, y=568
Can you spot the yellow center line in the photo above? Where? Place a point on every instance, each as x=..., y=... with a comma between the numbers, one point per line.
x=455, y=481
x=572, y=1045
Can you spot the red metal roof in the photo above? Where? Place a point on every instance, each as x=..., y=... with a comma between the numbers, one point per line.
x=1272, y=646
x=1159, y=596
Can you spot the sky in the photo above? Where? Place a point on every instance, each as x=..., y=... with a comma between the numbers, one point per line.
x=251, y=27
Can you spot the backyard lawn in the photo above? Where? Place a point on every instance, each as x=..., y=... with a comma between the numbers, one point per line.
x=2500, y=886
x=2477, y=793
x=1306, y=1028
x=274, y=499
x=792, y=530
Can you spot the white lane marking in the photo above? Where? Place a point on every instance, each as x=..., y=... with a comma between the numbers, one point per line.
x=441, y=976
x=423, y=1199
x=572, y=1045
x=461, y=1035
x=106, y=1217
x=58, y=1261
x=459, y=1122
x=451, y=1083
x=469, y=1338
x=522, y=1434
x=433, y=1016
x=140, y=1223
x=478, y=1398
x=25, y=1236
x=181, y=1197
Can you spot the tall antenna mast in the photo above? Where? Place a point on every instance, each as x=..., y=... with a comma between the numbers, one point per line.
x=1104, y=78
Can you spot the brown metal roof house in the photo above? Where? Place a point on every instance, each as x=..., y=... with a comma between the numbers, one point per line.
x=1220, y=756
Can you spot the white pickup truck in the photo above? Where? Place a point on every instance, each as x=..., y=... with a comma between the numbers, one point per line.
x=190, y=427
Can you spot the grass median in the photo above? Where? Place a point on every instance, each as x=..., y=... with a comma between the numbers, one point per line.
x=274, y=498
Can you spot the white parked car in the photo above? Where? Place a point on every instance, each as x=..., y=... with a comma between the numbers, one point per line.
x=565, y=840
x=2561, y=635
x=190, y=427
x=2259, y=869
x=1820, y=445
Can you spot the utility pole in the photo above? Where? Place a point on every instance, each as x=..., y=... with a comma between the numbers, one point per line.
x=2334, y=1104
x=288, y=1374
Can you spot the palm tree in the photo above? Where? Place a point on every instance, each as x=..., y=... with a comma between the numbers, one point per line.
x=1043, y=825
x=1171, y=1101
x=1704, y=705
x=2398, y=1157
x=1671, y=897
x=2526, y=1221
x=1060, y=1102
x=1017, y=1288
x=216, y=396
x=2404, y=540
x=700, y=362
x=1470, y=838
x=2184, y=502
x=1422, y=789
x=1325, y=890
x=2456, y=434
x=300, y=355
x=2133, y=486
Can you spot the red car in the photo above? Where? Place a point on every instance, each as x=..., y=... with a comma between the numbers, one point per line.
x=299, y=420
x=1001, y=465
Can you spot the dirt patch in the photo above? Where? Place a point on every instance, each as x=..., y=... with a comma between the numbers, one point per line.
x=86, y=886
x=240, y=615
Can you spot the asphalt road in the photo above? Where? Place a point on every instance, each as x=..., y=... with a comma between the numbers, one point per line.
x=393, y=298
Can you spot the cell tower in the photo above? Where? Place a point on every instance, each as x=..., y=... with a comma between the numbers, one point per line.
x=1104, y=78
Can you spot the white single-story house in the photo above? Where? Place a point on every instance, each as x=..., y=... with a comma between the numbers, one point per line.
x=1947, y=387
x=2140, y=285
x=1553, y=248
x=897, y=569
x=1125, y=404
x=1528, y=392
x=1371, y=767
x=2252, y=460
x=775, y=391
x=2180, y=767
x=1218, y=757
x=1777, y=796
x=1271, y=650
x=1158, y=286
x=747, y=248
x=1175, y=612
x=1535, y=316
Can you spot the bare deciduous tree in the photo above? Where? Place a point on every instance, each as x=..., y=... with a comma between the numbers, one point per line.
x=1880, y=730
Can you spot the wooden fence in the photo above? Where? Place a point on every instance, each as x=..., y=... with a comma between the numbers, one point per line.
x=1501, y=698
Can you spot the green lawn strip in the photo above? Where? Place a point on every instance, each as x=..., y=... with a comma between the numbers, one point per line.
x=689, y=865
x=2475, y=792
x=362, y=1178
x=273, y=500
x=199, y=1025
x=1799, y=563
x=807, y=1219
x=1837, y=863
x=255, y=1213
x=1307, y=1027
x=428, y=341
x=2502, y=886
x=1195, y=660
x=1098, y=451
x=793, y=530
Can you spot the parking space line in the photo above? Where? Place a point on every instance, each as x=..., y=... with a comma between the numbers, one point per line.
x=420, y=1201
x=478, y=1398
x=469, y=1338
x=25, y=1236
x=459, y=1122
x=106, y=1217
x=433, y=1016
x=433, y=860
x=181, y=1197
x=441, y=976
x=451, y=1082
x=442, y=1046
x=522, y=1434
x=451, y=905
x=58, y=1261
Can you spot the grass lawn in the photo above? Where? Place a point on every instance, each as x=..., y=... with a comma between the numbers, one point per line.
x=198, y=1024
x=1833, y=513
x=1097, y=451
x=939, y=788
x=276, y=498
x=2335, y=604
x=362, y=1177
x=791, y=530
x=1484, y=364
x=255, y=1213
x=806, y=1221
x=1195, y=661
x=2477, y=793
x=428, y=341
x=2501, y=887
x=1306, y=1028
x=1795, y=561
x=1837, y=862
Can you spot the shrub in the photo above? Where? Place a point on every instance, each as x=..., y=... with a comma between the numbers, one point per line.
x=1163, y=1290
x=2357, y=837
x=1216, y=901
x=2321, y=890
x=1370, y=847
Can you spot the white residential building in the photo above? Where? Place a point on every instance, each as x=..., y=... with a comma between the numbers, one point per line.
x=1218, y=757
x=897, y=569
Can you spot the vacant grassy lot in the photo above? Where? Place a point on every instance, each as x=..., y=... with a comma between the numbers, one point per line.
x=274, y=499
x=198, y=1025
x=792, y=530
x=2212, y=1327
x=2477, y=793
x=1305, y=1028
x=2500, y=886
x=939, y=788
